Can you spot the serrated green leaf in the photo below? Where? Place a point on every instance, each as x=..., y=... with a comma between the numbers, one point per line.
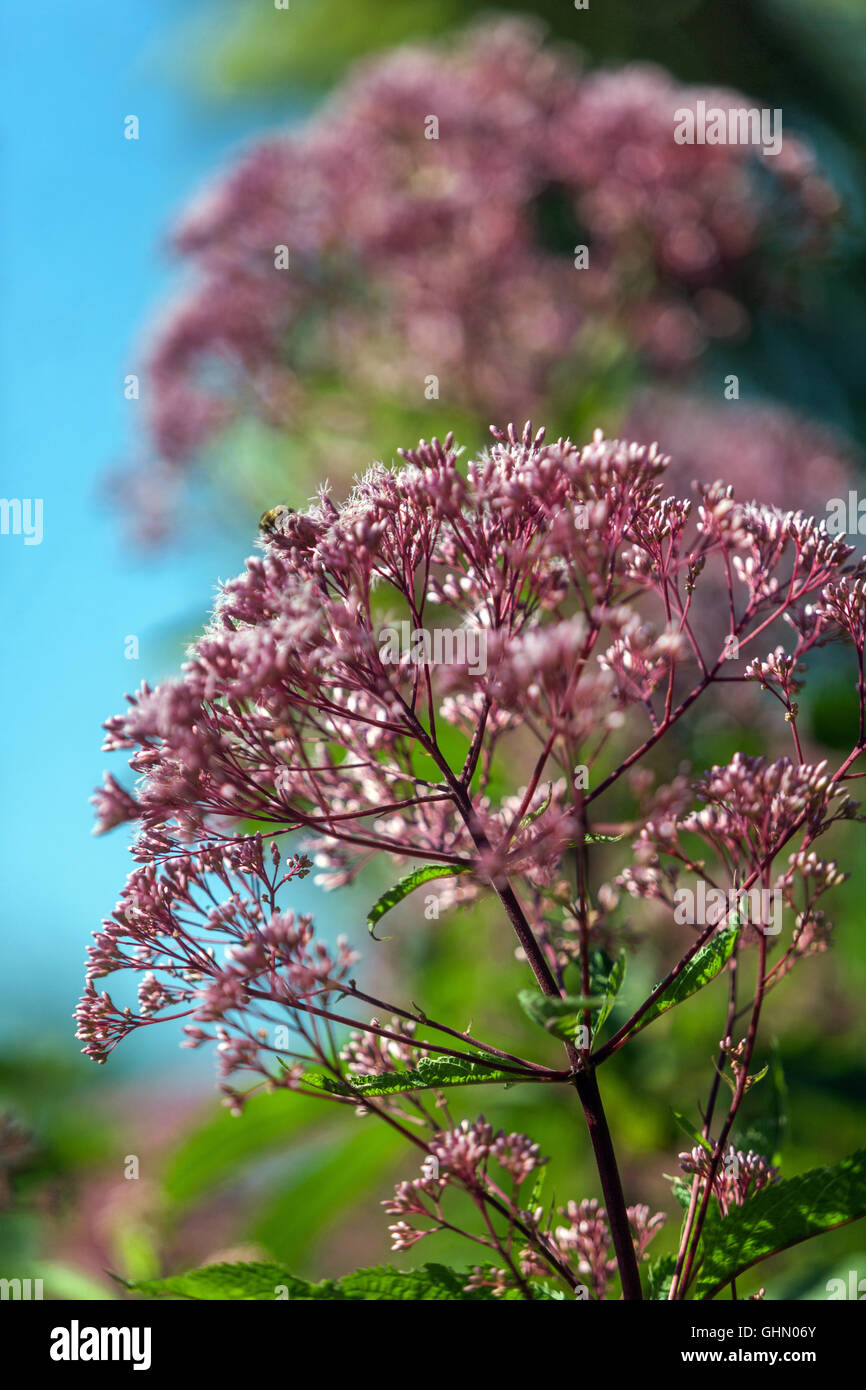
x=606, y=977
x=256, y=1282
x=682, y=1190
x=703, y=967
x=324, y=1081
x=659, y=1276
x=430, y=1283
x=404, y=887
x=782, y=1215
x=559, y=1015
x=430, y=1074
x=260, y=1282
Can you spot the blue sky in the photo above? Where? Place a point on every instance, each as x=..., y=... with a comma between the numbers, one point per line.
x=81, y=269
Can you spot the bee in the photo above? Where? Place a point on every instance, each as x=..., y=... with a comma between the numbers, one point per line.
x=269, y=520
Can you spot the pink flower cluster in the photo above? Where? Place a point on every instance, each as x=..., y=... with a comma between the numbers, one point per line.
x=492, y=1168
x=740, y=1176
x=462, y=1157
x=579, y=572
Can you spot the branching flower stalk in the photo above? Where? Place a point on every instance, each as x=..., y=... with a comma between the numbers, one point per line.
x=575, y=574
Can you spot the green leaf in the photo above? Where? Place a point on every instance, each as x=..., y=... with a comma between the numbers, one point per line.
x=557, y=1015
x=430, y=1074
x=780, y=1216
x=537, y=1189
x=659, y=1276
x=682, y=1190
x=430, y=1283
x=703, y=967
x=693, y=1133
x=606, y=977
x=274, y=1282
x=754, y=1078
x=237, y=1282
x=539, y=810
x=323, y=1081
x=404, y=887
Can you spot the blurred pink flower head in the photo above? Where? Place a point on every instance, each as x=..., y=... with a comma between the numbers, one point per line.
x=761, y=450
x=483, y=214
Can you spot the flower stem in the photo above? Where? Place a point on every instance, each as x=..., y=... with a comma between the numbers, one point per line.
x=585, y=1082
x=586, y=1085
